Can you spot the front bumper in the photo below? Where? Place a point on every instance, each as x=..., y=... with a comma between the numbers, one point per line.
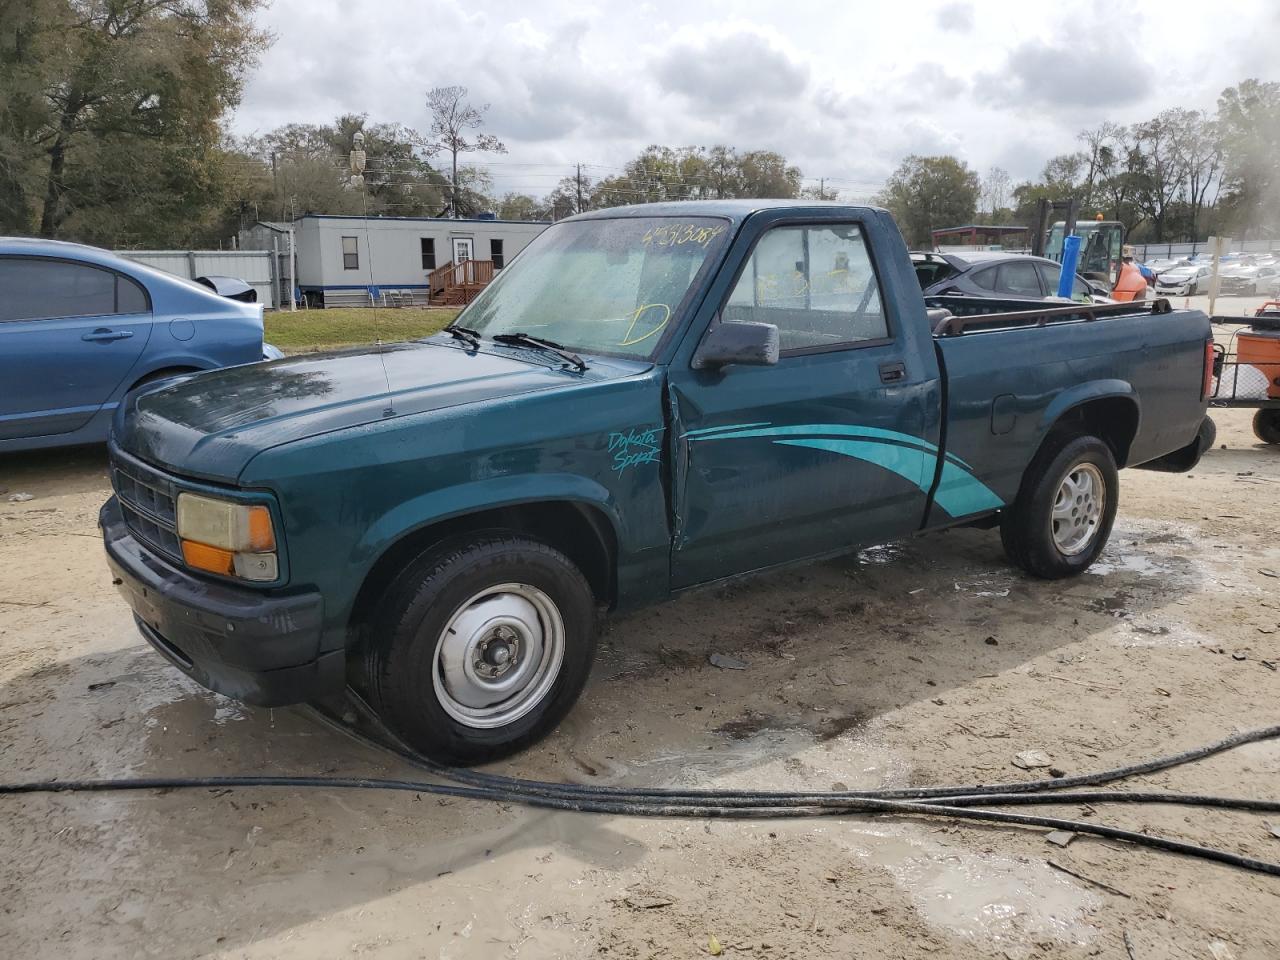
x=240, y=642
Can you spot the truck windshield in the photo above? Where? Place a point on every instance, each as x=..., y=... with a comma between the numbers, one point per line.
x=611, y=287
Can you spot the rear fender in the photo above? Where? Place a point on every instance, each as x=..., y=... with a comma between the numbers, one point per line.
x=1079, y=399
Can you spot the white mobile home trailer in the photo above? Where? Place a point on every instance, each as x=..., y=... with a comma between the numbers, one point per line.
x=351, y=261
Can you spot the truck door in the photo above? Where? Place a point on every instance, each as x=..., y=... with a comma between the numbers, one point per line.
x=832, y=446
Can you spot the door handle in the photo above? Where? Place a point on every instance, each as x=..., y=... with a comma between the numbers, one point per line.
x=893, y=372
x=105, y=335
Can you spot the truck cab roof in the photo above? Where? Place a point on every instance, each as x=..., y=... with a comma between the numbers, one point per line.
x=735, y=210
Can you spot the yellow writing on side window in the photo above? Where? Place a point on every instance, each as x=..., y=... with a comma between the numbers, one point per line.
x=678, y=234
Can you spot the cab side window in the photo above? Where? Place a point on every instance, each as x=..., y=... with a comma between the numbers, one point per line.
x=815, y=283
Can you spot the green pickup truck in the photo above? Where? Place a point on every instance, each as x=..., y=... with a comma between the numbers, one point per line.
x=648, y=399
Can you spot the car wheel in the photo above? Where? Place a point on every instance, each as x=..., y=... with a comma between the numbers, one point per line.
x=1062, y=516
x=481, y=647
x=1193, y=289
x=1266, y=425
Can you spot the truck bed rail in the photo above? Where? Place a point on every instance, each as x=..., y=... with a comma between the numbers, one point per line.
x=966, y=314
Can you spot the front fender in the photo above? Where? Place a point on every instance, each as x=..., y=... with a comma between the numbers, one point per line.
x=493, y=493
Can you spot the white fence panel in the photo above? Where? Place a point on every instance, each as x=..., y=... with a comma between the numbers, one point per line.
x=254, y=267
x=1151, y=251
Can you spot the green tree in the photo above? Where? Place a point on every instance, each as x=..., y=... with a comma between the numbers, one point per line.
x=521, y=206
x=929, y=193
x=110, y=114
x=698, y=173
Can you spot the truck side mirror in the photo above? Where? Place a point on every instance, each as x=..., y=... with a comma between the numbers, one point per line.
x=748, y=344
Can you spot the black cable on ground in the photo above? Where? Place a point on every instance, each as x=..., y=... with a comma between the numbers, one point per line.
x=477, y=778
x=954, y=802
x=617, y=807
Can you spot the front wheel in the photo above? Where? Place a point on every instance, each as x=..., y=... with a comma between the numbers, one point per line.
x=1266, y=425
x=1062, y=516
x=481, y=647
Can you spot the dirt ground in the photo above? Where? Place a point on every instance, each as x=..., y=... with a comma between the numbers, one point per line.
x=926, y=662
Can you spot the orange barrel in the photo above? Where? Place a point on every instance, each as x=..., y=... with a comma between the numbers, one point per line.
x=1261, y=349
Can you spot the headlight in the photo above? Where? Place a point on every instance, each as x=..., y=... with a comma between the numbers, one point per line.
x=232, y=539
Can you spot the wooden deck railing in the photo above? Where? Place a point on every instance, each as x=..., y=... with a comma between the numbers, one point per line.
x=459, y=282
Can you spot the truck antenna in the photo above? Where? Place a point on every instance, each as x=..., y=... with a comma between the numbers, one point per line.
x=357, y=177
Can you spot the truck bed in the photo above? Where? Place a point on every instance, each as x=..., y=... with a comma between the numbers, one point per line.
x=1012, y=367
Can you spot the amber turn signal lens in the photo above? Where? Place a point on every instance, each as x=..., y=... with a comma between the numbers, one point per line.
x=262, y=539
x=203, y=557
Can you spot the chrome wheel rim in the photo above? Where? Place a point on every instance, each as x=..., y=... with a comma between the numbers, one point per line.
x=1078, y=508
x=498, y=656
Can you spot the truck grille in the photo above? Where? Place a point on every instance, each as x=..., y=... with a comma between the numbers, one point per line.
x=149, y=503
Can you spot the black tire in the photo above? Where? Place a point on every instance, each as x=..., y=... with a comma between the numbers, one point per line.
x=1266, y=425
x=1027, y=527
x=403, y=666
x=1208, y=434
x=1193, y=290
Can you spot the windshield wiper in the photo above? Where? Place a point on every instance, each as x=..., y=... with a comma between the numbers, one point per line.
x=465, y=334
x=551, y=346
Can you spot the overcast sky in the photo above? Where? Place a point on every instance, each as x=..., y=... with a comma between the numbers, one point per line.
x=843, y=90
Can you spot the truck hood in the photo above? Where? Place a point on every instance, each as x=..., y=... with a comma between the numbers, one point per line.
x=210, y=425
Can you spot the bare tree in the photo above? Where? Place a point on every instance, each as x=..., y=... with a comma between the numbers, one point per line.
x=1161, y=170
x=452, y=119
x=1104, y=148
x=1198, y=143
x=995, y=191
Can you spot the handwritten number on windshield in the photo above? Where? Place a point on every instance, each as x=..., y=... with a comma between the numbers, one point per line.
x=678, y=234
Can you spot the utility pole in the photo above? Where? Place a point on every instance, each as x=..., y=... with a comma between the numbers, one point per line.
x=822, y=188
x=578, y=179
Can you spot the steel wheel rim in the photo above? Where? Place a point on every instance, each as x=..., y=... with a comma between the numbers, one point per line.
x=1078, y=508
x=498, y=656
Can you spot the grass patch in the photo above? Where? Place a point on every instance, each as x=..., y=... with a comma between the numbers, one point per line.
x=308, y=330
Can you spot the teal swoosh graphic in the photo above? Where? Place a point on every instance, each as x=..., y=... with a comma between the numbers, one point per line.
x=839, y=429
x=910, y=463
x=709, y=430
x=959, y=493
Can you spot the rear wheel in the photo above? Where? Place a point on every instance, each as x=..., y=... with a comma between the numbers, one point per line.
x=1063, y=513
x=481, y=647
x=1266, y=425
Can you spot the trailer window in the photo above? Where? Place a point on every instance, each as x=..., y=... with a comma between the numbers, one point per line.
x=350, y=254
x=428, y=253
x=495, y=254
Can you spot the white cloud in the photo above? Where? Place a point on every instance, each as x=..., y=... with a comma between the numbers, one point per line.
x=957, y=17
x=843, y=91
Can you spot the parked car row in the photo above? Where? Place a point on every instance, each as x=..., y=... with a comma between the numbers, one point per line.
x=80, y=327
x=1240, y=275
